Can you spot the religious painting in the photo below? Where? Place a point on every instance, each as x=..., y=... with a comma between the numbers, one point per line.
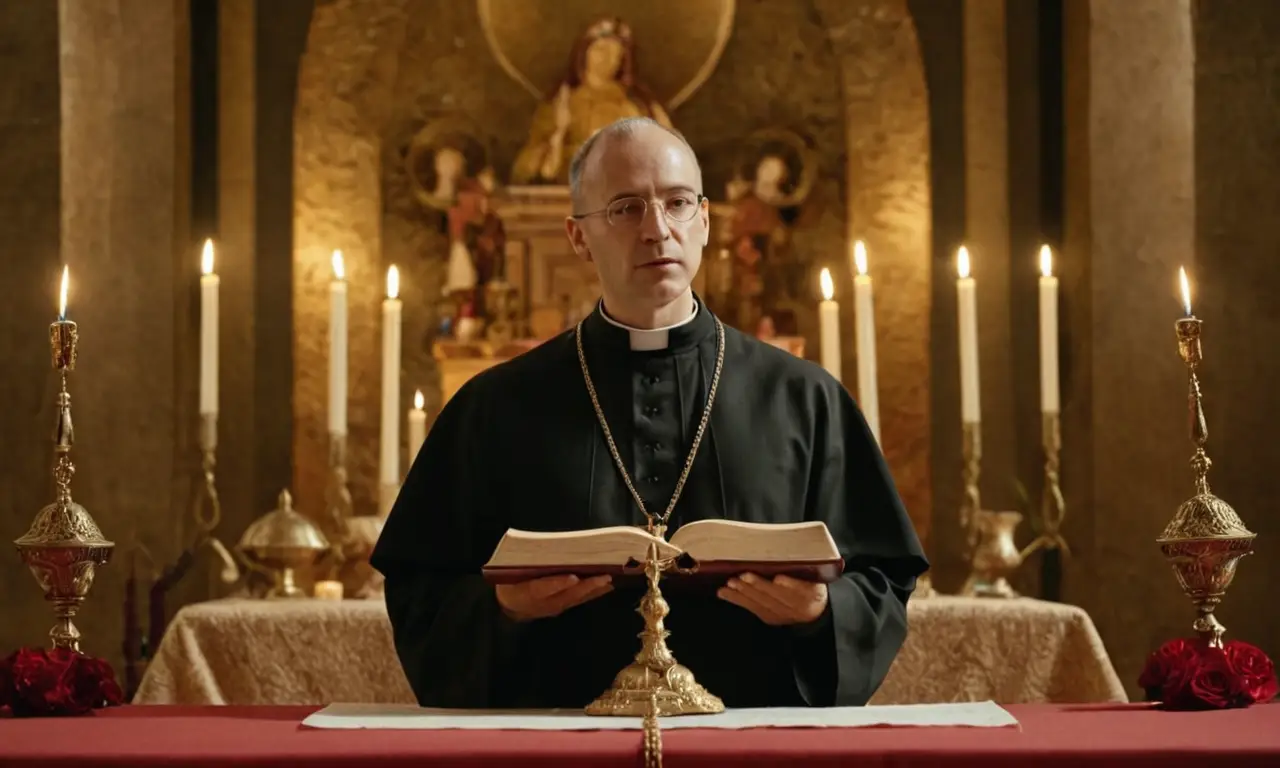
x=449, y=170
x=774, y=173
x=601, y=75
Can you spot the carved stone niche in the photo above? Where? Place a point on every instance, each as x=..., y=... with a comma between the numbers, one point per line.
x=554, y=286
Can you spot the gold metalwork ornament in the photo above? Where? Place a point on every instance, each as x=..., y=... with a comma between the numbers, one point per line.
x=655, y=684
x=281, y=542
x=971, y=453
x=1053, y=507
x=64, y=546
x=1206, y=538
x=208, y=494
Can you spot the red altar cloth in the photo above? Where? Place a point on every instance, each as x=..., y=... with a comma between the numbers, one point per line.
x=261, y=737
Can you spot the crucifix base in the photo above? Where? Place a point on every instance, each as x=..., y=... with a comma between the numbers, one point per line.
x=655, y=685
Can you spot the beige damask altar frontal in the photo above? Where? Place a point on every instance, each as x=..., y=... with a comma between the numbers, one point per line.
x=323, y=651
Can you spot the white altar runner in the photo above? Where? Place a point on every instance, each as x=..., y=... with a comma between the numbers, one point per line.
x=981, y=714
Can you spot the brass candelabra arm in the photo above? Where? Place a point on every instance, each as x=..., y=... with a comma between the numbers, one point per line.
x=1053, y=506
x=971, y=505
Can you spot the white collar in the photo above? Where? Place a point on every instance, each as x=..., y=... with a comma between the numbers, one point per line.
x=649, y=339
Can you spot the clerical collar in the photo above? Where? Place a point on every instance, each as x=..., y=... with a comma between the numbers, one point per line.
x=683, y=335
x=649, y=339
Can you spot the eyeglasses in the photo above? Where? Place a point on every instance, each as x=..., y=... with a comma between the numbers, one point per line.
x=630, y=211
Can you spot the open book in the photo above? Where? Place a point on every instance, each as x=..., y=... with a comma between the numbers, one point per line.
x=713, y=549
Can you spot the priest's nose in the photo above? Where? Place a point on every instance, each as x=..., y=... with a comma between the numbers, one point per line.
x=654, y=227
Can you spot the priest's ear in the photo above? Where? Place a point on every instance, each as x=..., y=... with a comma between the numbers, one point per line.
x=577, y=237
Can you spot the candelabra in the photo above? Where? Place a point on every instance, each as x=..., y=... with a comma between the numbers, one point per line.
x=1206, y=538
x=64, y=546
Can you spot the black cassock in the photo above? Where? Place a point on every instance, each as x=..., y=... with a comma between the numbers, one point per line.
x=519, y=446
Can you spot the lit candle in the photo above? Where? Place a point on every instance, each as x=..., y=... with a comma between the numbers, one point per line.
x=208, y=332
x=1049, y=397
x=829, y=327
x=1186, y=291
x=338, y=348
x=969, y=409
x=417, y=426
x=328, y=590
x=62, y=295
x=390, y=448
x=868, y=393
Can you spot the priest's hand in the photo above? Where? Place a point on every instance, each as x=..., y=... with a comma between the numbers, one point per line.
x=549, y=596
x=777, y=602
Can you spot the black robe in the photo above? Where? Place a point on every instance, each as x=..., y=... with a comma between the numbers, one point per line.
x=519, y=446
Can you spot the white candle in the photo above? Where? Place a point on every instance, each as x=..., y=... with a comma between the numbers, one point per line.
x=969, y=409
x=829, y=327
x=868, y=391
x=1049, y=396
x=208, y=332
x=338, y=348
x=390, y=447
x=417, y=426
x=328, y=590
x=1182, y=284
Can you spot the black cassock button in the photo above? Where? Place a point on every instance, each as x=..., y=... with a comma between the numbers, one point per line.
x=653, y=447
x=654, y=379
x=651, y=410
x=653, y=479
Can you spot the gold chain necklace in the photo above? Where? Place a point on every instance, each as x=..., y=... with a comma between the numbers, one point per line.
x=661, y=526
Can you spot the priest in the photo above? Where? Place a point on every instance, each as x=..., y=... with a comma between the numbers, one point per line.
x=595, y=428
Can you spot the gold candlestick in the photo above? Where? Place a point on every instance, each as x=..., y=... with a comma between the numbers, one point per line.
x=64, y=546
x=1206, y=538
x=1053, y=506
x=655, y=684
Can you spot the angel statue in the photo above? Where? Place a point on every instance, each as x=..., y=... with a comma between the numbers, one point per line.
x=599, y=88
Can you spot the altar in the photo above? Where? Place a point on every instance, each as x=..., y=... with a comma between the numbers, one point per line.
x=315, y=652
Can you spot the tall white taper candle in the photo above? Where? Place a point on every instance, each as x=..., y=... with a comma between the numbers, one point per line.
x=209, y=281
x=865, y=325
x=970, y=411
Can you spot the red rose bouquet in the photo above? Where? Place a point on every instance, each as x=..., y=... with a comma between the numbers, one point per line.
x=36, y=682
x=1190, y=674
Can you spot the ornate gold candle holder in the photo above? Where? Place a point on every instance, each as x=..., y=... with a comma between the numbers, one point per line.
x=64, y=546
x=1206, y=538
x=654, y=684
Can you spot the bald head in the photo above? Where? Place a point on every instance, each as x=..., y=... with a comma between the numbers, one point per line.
x=620, y=130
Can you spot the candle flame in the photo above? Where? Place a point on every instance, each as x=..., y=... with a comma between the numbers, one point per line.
x=1046, y=261
x=962, y=262
x=828, y=288
x=339, y=270
x=62, y=295
x=418, y=401
x=860, y=257
x=393, y=282
x=1186, y=290
x=206, y=258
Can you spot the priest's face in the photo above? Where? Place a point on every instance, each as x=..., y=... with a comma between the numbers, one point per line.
x=642, y=221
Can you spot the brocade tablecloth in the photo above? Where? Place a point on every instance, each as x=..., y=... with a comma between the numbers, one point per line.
x=317, y=652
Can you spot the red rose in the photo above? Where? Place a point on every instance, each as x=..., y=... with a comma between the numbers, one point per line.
x=1169, y=670
x=1255, y=673
x=41, y=681
x=94, y=684
x=1215, y=685
x=55, y=682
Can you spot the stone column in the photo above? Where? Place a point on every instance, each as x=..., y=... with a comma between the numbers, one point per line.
x=1236, y=287
x=1130, y=217
x=30, y=265
x=889, y=205
x=134, y=277
x=986, y=173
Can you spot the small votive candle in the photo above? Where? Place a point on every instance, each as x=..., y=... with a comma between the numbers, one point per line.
x=329, y=590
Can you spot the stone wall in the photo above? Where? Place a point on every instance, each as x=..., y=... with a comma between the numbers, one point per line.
x=846, y=75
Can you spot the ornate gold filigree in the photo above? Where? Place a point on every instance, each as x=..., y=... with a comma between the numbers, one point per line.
x=1206, y=538
x=655, y=682
x=63, y=545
